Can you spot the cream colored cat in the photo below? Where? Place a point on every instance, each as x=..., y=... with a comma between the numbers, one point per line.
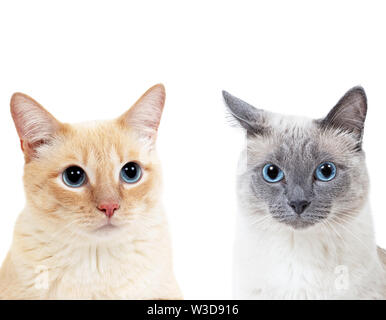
x=93, y=226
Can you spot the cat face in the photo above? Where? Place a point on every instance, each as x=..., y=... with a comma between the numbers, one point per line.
x=300, y=171
x=95, y=179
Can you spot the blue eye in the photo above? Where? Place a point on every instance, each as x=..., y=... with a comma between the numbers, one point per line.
x=74, y=177
x=326, y=171
x=131, y=172
x=272, y=173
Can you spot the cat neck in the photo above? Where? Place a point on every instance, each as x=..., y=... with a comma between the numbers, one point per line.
x=325, y=240
x=81, y=266
x=284, y=263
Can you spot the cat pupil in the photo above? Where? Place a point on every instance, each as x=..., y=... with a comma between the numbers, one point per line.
x=326, y=170
x=273, y=172
x=74, y=174
x=131, y=171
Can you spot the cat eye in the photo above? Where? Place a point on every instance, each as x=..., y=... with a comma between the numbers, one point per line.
x=326, y=171
x=74, y=176
x=131, y=172
x=272, y=173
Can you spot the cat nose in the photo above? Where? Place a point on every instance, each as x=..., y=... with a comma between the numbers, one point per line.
x=299, y=205
x=108, y=208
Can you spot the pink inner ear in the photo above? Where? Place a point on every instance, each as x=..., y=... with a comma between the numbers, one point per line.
x=21, y=145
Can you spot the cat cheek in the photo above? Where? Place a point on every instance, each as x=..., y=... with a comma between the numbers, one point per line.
x=141, y=193
x=67, y=196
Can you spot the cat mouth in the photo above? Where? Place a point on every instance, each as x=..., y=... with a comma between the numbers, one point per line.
x=107, y=227
x=298, y=221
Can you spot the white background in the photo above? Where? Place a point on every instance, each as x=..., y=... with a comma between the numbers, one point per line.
x=88, y=60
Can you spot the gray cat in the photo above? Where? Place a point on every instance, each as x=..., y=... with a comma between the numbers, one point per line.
x=304, y=227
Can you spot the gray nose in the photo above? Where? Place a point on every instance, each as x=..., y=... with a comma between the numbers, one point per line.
x=299, y=205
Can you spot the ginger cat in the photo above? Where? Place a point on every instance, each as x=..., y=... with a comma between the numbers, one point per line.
x=93, y=226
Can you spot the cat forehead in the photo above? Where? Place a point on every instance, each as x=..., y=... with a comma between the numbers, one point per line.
x=291, y=131
x=100, y=131
x=87, y=125
x=288, y=123
x=299, y=139
x=94, y=125
x=96, y=141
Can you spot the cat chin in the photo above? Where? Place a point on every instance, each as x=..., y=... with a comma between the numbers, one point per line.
x=107, y=228
x=297, y=222
x=103, y=231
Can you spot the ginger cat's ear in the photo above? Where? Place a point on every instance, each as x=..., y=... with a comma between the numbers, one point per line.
x=35, y=126
x=145, y=115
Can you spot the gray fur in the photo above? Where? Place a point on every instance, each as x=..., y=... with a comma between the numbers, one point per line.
x=247, y=116
x=298, y=146
x=349, y=114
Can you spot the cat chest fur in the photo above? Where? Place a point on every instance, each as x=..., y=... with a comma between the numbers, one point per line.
x=134, y=266
x=125, y=271
x=289, y=265
x=103, y=272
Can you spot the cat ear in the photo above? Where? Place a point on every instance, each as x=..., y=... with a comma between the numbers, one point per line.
x=349, y=113
x=247, y=116
x=145, y=114
x=35, y=126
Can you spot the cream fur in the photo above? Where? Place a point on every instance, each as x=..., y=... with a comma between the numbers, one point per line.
x=129, y=266
x=62, y=248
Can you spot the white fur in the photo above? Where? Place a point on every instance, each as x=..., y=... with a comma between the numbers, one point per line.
x=274, y=261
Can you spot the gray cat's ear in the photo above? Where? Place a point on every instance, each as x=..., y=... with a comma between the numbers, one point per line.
x=145, y=115
x=349, y=113
x=249, y=117
x=35, y=126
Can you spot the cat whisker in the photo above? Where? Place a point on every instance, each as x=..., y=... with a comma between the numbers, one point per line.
x=356, y=237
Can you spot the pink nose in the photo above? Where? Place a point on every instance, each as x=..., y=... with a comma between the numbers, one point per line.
x=108, y=208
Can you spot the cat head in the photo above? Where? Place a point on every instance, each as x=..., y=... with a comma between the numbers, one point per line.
x=302, y=171
x=93, y=179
